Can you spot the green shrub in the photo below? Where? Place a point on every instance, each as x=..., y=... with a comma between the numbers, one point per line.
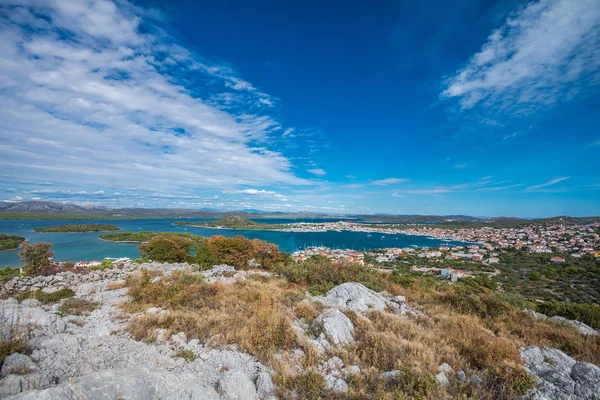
x=187, y=355
x=46, y=298
x=167, y=249
x=7, y=273
x=309, y=386
x=587, y=313
x=320, y=274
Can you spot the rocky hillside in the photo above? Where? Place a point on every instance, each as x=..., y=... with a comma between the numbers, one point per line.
x=170, y=331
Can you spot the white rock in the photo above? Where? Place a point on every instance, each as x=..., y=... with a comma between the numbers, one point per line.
x=442, y=379
x=337, y=327
x=236, y=385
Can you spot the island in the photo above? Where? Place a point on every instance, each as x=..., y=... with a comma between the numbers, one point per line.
x=141, y=237
x=10, y=242
x=234, y=222
x=78, y=228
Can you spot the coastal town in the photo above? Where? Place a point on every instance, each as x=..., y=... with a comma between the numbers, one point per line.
x=487, y=244
x=575, y=240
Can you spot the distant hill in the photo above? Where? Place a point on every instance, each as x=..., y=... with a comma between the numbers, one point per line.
x=54, y=211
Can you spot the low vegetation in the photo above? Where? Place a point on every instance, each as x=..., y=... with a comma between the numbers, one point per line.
x=471, y=325
x=7, y=273
x=77, y=306
x=238, y=251
x=77, y=228
x=10, y=242
x=587, y=313
x=533, y=275
x=46, y=298
x=319, y=274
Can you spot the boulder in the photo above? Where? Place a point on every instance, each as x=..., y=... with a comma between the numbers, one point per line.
x=264, y=386
x=134, y=384
x=236, y=385
x=442, y=379
x=336, y=384
x=357, y=297
x=558, y=376
x=336, y=326
x=587, y=380
x=19, y=364
x=580, y=326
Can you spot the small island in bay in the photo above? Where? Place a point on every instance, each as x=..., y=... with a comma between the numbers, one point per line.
x=77, y=228
x=10, y=242
x=141, y=237
x=234, y=222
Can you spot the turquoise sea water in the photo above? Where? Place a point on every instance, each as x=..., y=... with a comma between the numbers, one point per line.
x=87, y=246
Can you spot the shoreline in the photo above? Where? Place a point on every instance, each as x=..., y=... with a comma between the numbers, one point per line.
x=119, y=241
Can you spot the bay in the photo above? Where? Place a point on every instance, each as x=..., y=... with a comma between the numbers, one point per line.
x=87, y=246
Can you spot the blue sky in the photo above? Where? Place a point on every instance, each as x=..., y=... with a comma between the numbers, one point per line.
x=484, y=108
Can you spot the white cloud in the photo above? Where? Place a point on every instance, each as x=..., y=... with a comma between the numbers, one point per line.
x=461, y=166
x=318, y=171
x=547, y=52
x=541, y=187
x=388, y=181
x=262, y=193
x=396, y=194
x=87, y=96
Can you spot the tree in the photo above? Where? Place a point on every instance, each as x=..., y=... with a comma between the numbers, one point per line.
x=167, y=249
x=37, y=258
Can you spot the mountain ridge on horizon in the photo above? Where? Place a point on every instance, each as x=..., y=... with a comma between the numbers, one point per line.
x=57, y=208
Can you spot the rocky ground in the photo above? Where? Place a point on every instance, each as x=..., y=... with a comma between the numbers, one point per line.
x=92, y=356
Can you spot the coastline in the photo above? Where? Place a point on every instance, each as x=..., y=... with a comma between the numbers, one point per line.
x=119, y=241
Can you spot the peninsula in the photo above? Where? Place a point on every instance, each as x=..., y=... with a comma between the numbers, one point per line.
x=10, y=242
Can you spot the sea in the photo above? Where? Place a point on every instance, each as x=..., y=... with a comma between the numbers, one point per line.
x=87, y=246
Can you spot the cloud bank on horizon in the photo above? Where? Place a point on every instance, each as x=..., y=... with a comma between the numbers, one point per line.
x=102, y=102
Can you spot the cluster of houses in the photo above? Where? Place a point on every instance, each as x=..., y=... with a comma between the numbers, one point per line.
x=575, y=240
x=114, y=260
x=332, y=254
x=478, y=253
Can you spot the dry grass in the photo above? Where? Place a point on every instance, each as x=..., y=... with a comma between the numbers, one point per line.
x=77, y=306
x=116, y=285
x=254, y=315
x=480, y=338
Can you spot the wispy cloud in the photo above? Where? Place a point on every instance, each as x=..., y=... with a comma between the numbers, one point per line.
x=461, y=166
x=389, y=181
x=541, y=187
x=318, y=171
x=93, y=91
x=546, y=52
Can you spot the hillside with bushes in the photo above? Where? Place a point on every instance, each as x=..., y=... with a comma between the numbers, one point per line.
x=259, y=325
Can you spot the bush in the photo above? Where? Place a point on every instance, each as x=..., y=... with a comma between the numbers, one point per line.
x=167, y=249
x=7, y=273
x=37, y=258
x=46, y=298
x=238, y=251
x=68, y=264
x=319, y=274
x=587, y=313
x=75, y=306
x=309, y=385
